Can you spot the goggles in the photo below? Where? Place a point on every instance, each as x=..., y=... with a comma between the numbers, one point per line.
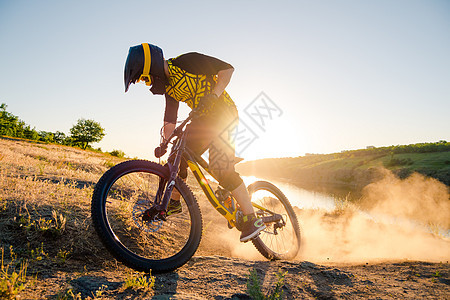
x=145, y=76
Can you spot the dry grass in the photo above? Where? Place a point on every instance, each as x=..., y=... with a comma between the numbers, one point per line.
x=45, y=199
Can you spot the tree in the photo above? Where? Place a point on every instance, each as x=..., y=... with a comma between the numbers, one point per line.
x=60, y=138
x=10, y=125
x=85, y=132
x=8, y=122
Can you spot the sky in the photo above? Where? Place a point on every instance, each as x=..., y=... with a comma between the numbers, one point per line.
x=337, y=75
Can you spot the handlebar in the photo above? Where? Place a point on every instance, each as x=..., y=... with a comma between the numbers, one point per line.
x=178, y=130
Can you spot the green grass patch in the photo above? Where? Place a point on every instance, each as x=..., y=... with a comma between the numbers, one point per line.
x=254, y=288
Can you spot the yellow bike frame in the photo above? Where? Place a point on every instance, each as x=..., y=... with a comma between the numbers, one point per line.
x=204, y=184
x=206, y=187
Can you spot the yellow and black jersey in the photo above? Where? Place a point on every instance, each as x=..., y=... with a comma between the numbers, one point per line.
x=192, y=76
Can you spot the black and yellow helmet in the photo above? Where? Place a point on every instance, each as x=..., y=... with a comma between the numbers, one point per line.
x=142, y=61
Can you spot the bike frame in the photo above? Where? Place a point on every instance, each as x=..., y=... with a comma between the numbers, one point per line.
x=181, y=151
x=192, y=160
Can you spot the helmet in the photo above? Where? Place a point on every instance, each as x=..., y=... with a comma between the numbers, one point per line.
x=142, y=61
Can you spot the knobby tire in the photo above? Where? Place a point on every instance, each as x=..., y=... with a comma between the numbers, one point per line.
x=102, y=225
x=267, y=243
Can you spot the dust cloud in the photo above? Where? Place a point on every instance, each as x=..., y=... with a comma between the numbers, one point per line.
x=395, y=220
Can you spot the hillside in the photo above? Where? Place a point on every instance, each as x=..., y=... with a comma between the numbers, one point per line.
x=50, y=251
x=357, y=168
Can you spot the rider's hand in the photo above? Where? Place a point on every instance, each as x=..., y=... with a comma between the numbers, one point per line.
x=160, y=150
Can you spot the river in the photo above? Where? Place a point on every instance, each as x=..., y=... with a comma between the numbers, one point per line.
x=300, y=197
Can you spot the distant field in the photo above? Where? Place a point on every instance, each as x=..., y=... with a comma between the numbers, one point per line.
x=354, y=168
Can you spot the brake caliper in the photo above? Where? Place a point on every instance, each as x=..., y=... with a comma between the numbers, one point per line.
x=154, y=214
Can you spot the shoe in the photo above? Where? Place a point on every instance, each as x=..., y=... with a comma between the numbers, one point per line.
x=174, y=207
x=251, y=227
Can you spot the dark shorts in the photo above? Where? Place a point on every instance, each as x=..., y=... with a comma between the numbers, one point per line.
x=214, y=133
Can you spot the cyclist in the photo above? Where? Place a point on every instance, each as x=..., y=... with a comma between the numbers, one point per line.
x=199, y=81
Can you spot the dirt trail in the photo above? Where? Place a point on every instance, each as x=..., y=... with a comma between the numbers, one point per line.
x=219, y=277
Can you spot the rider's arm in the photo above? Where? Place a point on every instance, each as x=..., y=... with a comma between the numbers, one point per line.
x=170, y=116
x=223, y=78
x=168, y=129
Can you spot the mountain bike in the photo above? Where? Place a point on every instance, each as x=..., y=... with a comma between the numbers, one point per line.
x=130, y=202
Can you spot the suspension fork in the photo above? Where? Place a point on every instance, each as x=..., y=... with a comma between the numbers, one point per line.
x=167, y=186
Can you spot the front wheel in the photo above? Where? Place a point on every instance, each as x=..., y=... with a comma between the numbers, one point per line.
x=281, y=238
x=120, y=201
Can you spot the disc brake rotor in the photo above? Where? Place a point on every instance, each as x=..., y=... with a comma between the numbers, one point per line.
x=139, y=210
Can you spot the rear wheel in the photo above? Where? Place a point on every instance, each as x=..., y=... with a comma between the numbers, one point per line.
x=122, y=196
x=281, y=238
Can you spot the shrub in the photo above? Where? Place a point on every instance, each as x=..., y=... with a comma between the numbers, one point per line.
x=139, y=281
x=12, y=281
x=399, y=162
x=117, y=153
